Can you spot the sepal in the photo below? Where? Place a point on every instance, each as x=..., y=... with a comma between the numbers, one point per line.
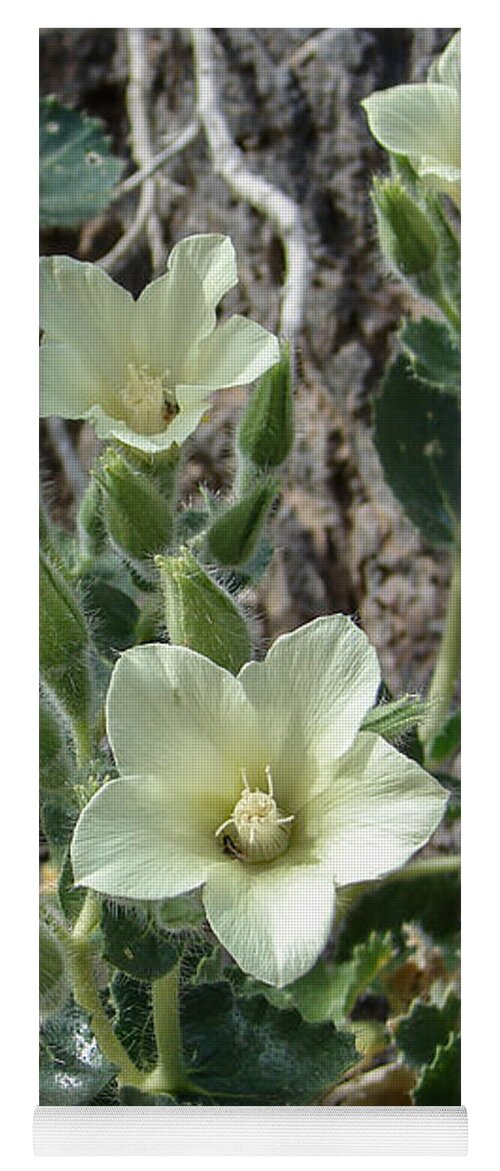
x=137, y=515
x=266, y=431
x=200, y=614
x=232, y=538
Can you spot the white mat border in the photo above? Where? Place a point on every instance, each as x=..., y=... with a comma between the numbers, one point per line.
x=250, y=1130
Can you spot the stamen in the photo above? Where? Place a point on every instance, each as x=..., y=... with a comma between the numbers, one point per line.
x=224, y=826
x=260, y=831
x=244, y=775
x=269, y=778
x=149, y=404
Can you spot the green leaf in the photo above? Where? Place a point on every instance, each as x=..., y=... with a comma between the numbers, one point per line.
x=439, y=1082
x=72, y=1068
x=77, y=170
x=53, y=986
x=254, y=571
x=244, y=1051
x=329, y=992
x=190, y=522
x=133, y=1023
x=180, y=913
x=447, y=740
x=433, y=353
x=266, y=431
x=71, y=897
x=417, y=435
x=113, y=614
x=133, y=943
x=59, y=812
x=393, y=718
x=424, y=1028
x=201, y=614
x=233, y=536
x=431, y=900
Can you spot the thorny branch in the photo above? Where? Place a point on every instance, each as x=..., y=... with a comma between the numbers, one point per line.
x=229, y=162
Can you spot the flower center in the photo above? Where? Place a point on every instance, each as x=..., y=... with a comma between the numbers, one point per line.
x=257, y=831
x=149, y=405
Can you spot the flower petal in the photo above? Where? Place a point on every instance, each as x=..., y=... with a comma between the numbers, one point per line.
x=213, y=258
x=173, y=714
x=132, y=842
x=171, y=317
x=83, y=310
x=446, y=68
x=421, y=122
x=181, y=427
x=311, y=694
x=68, y=387
x=274, y=920
x=236, y=353
x=376, y=810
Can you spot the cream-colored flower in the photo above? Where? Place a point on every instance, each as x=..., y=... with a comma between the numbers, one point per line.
x=144, y=371
x=260, y=789
x=422, y=122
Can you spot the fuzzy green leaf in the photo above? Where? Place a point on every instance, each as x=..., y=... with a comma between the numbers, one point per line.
x=72, y=1068
x=59, y=810
x=397, y=716
x=329, y=992
x=431, y=900
x=71, y=897
x=133, y=1022
x=439, y=1082
x=433, y=353
x=114, y=615
x=77, y=170
x=424, y=1028
x=244, y=1051
x=417, y=435
x=133, y=944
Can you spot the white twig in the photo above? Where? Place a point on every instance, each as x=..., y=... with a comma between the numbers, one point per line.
x=146, y=216
x=229, y=162
x=177, y=143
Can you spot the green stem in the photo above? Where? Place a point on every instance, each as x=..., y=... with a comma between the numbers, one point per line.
x=447, y=668
x=169, y=1076
x=83, y=741
x=81, y=972
x=426, y=868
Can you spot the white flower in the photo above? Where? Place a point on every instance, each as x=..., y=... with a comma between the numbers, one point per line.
x=144, y=371
x=261, y=789
x=422, y=122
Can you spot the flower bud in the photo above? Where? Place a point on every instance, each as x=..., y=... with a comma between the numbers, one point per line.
x=265, y=434
x=136, y=514
x=64, y=641
x=407, y=237
x=232, y=538
x=200, y=614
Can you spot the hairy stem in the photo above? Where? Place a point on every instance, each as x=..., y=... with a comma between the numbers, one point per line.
x=169, y=1076
x=81, y=972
